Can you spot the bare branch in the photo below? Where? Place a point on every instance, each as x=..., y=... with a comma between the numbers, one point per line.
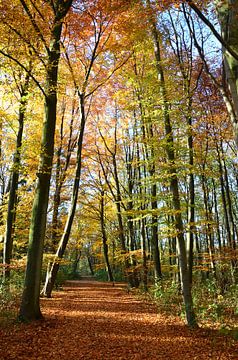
x=26, y=70
x=212, y=28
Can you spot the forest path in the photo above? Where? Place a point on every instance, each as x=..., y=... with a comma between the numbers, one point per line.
x=92, y=320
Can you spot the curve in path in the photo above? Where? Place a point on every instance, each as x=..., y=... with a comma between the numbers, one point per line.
x=92, y=320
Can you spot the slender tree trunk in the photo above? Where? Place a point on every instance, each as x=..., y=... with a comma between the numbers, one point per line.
x=229, y=203
x=143, y=253
x=227, y=11
x=51, y=276
x=104, y=238
x=30, y=307
x=8, y=240
x=142, y=225
x=191, y=205
x=118, y=201
x=154, y=219
x=56, y=200
x=224, y=204
x=61, y=175
x=209, y=230
x=150, y=158
x=155, y=239
x=76, y=262
x=90, y=265
x=174, y=189
x=131, y=230
x=217, y=215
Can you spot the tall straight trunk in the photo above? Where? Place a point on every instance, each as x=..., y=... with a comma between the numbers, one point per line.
x=57, y=193
x=118, y=205
x=224, y=204
x=116, y=194
x=217, y=215
x=143, y=253
x=131, y=230
x=61, y=174
x=227, y=11
x=209, y=220
x=118, y=199
x=150, y=158
x=142, y=224
x=191, y=203
x=154, y=219
x=51, y=275
x=186, y=69
x=78, y=254
x=30, y=307
x=104, y=238
x=11, y=210
x=90, y=264
x=229, y=203
x=129, y=153
x=155, y=239
x=173, y=179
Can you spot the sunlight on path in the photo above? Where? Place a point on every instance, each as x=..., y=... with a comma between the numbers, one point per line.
x=92, y=320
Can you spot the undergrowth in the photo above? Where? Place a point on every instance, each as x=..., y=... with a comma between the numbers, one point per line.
x=213, y=308
x=10, y=296
x=11, y=291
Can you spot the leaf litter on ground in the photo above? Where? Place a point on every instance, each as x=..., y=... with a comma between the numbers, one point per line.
x=92, y=320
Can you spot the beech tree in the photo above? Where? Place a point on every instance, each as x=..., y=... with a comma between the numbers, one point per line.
x=100, y=24
x=30, y=308
x=8, y=240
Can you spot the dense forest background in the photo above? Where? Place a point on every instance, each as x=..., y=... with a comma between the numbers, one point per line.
x=118, y=149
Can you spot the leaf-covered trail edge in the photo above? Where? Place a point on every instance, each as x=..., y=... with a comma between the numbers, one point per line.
x=92, y=320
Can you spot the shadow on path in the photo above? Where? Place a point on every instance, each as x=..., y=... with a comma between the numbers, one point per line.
x=92, y=320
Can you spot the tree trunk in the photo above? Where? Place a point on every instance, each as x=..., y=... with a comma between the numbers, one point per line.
x=154, y=219
x=118, y=201
x=227, y=11
x=104, y=238
x=51, y=276
x=30, y=307
x=61, y=175
x=229, y=203
x=75, y=263
x=224, y=204
x=191, y=193
x=174, y=189
x=90, y=265
x=130, y=224
x=8, y=240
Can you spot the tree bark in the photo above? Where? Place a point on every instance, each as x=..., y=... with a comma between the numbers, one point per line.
x=173, y=179
x=191, y=191
x=11, y=211
x=104, y=238
x=51, y=276
x=30, y=307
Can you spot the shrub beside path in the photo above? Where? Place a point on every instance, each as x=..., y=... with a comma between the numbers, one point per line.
x=92, y=320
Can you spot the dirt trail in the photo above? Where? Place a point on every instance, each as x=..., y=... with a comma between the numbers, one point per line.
x=92, y=320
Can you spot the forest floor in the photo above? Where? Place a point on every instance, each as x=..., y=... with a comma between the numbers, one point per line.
x=92, y=320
